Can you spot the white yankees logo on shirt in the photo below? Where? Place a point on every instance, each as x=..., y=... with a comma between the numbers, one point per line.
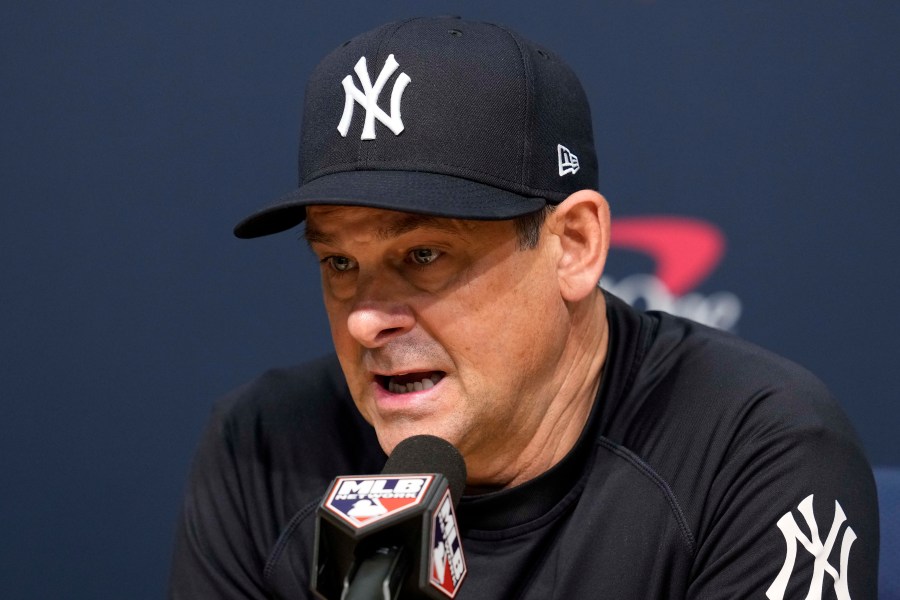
x=814, y=545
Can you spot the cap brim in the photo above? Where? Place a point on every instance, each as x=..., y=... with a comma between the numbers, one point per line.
x=409, y=191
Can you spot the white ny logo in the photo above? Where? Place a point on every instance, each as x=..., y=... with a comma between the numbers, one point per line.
x=368, y=98
x=814, y=546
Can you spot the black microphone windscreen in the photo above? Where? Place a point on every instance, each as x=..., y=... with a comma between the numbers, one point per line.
x=429, y=454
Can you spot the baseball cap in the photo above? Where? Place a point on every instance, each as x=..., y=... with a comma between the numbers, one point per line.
x=439, y=116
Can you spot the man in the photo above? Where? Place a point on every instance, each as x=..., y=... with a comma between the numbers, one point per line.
x=448, y=188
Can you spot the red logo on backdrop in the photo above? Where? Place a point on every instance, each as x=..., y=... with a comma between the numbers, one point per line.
x=685, y=251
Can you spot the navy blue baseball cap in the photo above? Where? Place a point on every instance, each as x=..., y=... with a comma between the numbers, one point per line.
x=439, y=116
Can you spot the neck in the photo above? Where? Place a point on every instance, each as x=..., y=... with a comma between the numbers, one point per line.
x=551, y=433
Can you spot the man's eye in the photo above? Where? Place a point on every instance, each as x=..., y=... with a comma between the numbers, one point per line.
x=423, y=256
x=340, y=263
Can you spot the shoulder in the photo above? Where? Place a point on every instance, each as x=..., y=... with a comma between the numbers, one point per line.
x=283, y=387
x=297, y=422
x=694, y=379
x=712, y=398
x=743, y=439
x=269, y=451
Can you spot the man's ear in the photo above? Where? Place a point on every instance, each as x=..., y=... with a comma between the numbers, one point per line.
x=582, y=223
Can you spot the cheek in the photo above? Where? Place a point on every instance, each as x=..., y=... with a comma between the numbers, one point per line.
x=497, y=322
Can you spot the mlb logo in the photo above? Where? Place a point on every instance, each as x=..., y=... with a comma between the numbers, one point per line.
x=448, y=566
x=361, y=501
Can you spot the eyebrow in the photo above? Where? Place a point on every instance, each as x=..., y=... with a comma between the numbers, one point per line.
x=402, y=225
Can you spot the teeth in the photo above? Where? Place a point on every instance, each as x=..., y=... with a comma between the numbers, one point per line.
x=414, y=386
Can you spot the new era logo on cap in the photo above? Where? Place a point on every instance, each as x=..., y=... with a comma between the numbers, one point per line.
x=568, y=162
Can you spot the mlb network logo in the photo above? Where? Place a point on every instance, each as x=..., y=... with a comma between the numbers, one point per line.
x=448, y=566
x=362, y=501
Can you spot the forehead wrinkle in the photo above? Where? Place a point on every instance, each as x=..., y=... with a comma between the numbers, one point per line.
x=410, y=222
x=400, y=225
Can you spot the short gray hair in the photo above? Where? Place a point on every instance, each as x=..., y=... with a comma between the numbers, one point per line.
x=528, y=227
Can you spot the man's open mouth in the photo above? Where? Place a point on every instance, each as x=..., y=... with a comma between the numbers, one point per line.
x=410, y=382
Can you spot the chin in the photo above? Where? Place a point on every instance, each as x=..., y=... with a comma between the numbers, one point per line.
x=391, y=435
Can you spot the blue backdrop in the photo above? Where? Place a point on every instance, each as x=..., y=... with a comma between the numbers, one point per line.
x=135, y=134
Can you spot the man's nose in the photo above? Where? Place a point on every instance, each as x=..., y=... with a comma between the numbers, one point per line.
x=376, y=319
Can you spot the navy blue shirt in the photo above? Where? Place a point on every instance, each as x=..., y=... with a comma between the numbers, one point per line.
x=709, y=468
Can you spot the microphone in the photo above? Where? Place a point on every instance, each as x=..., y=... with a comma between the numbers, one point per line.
x=393, y=535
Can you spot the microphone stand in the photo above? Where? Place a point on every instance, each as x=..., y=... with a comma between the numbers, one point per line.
x=377, y=577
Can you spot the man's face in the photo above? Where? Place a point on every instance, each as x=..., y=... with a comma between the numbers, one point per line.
x=442, y=326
